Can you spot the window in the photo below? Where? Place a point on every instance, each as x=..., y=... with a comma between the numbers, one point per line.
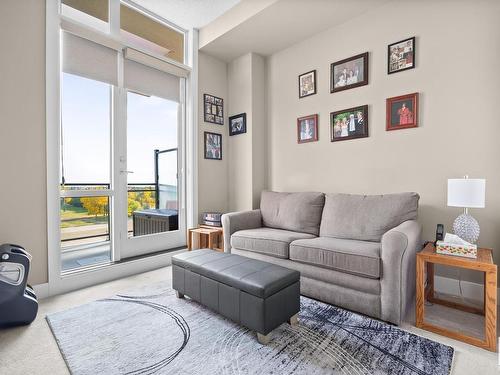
x=85, y=171
x=120, y=138
x=143, y=31
x=94, y=13
x=85, y=132
x=89, y=73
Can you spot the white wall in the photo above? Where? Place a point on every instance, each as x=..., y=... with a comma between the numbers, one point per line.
x=457, y=77
x=22, y=131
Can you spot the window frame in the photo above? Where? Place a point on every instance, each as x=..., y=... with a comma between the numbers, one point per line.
x=55, y=22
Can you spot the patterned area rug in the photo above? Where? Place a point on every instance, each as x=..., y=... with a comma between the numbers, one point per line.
x=153, y=332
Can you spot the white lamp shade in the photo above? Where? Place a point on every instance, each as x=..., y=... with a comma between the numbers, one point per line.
x=466, y=192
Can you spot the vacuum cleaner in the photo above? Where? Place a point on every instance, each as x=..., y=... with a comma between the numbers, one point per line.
x=18, y=302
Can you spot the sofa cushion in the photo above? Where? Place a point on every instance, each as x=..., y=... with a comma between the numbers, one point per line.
x=299, y=212
x=366, y=217
x=273, y=242
x=351, y=256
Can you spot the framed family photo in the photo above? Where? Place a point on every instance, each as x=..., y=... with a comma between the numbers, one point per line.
x=349, y=73
x=402, y=112
x=213, y=146
x=238, y=124
x=401, y=56
x=349, y=123
x=213, y=109
x=307, y=84
x=307, y=129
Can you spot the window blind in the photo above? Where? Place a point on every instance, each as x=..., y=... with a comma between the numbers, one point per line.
x=88, y=59
x=150, y=81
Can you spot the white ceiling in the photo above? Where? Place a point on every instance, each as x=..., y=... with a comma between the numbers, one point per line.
x=284, y=23
x=188, y=13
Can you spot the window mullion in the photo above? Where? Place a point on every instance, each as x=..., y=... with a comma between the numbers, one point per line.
x=114, y=18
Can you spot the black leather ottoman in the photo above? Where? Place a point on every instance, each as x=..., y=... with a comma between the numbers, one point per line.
x=255, y=294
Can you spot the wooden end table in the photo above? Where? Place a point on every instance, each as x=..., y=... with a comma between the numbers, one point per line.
x=209, y=237
x=426, y=259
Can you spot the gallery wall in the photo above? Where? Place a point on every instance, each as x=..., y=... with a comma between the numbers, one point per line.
x=23, y=193
x=457, y=77
x=212, y=174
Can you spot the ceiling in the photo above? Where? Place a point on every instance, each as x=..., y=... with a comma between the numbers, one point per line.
x=188, y=13
x=282, y=24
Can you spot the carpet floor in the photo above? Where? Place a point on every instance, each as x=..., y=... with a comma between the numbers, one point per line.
x=150, y=331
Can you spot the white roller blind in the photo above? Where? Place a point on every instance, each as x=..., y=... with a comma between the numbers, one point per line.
x=88, y=59
x=150, y=81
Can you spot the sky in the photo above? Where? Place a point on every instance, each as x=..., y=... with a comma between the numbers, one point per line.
x=86, y=128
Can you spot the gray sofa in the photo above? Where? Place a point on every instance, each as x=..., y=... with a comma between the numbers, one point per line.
x=353, y=251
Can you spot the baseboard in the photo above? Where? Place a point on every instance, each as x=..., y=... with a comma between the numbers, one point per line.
x=41, y=290
x=470, y=290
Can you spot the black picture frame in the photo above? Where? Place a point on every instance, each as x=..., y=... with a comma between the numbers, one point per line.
x=344, y=133
x=349, y=62
x=209, y=152
x=302, y=94
x=391, y=64
x=213, y=109
x=238, y=128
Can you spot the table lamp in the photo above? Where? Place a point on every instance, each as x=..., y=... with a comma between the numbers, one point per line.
x=466, y=193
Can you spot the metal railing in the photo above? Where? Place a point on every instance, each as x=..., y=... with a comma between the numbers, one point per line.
x=131, y=188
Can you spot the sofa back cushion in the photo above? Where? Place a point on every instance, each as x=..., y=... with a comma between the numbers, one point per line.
x=298, y=212
x=366, y=217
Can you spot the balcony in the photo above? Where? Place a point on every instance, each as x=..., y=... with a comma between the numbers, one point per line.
x=85, y=221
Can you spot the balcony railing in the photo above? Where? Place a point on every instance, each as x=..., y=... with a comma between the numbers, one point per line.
x=86, y=219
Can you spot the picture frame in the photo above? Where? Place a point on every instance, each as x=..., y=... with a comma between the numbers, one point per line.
x=307, y=84
x=213, y=109
x=349, y=73
x=401, y=55
x=351, y=123
x=238, y=124
x=213, y=146
x=307, y=129
x=402, y=112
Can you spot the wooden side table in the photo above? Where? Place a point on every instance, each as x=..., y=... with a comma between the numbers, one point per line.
x=484, y=263
x=209, y=237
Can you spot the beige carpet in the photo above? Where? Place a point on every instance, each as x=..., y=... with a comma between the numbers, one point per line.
x=33, y=350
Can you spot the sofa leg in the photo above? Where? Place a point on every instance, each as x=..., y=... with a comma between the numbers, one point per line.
x=294, y=320
x=179, y=294
x=263, y=339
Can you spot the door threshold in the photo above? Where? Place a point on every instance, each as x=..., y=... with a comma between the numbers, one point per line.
x=97, y=274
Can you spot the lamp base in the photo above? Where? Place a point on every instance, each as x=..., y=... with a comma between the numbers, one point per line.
x=467, y=228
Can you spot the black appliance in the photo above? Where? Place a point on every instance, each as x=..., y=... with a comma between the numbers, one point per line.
x=18, y=302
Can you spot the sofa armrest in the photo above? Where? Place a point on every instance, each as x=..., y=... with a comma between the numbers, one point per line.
x=397, y=284
x=235, y=221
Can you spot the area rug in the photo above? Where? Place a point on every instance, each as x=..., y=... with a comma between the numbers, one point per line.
x=153, y=332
